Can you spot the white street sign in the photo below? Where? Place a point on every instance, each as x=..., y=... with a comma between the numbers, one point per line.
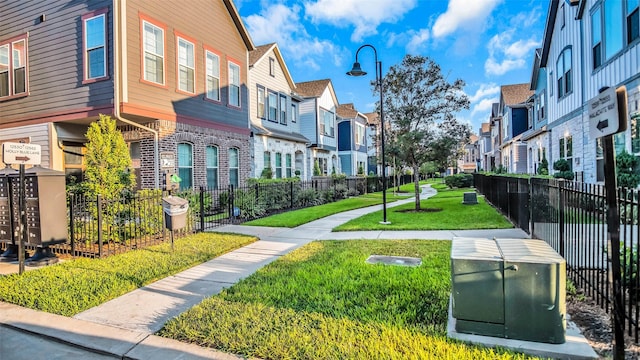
x=603, y=114
x=19, y=153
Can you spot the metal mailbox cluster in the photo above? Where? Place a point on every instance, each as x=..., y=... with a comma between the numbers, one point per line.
x=45, y=207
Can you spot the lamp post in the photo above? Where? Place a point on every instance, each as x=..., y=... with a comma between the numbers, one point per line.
x=357, y=71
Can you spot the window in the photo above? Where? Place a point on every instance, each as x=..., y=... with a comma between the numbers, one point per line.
x=596, y=38
x=153, y=43
x=13, y=67
x=566, y=150
x=635, y=134
x=551, y=83
x=234, y=167
x=359, y=134
x=294, y=113
x=186, y=66
x=273, y=106
x=599, y=160
x=74, y=164
x=185, y=165
x=633, y=21
x=562, y=16
x=278, y=165
x=563, y=69
x=272, y=67
x=95, y=43
x=283, y=109
x=612, y=27
x=261, y=95
x=326, y=123
x=234, y=85
x=212, y=167
x=267, y=160
x=289, y=165
x=322, y=164
x=213, y=76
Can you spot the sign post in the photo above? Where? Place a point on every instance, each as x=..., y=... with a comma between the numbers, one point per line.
x=608, y=116
x=21, y=154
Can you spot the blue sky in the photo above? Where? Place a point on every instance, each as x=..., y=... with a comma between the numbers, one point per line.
x=486, y=43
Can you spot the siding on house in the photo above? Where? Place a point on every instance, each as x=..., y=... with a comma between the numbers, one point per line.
x=55, y=62
x=214, y=29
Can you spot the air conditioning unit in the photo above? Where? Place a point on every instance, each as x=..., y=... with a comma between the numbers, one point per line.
x=509, y=288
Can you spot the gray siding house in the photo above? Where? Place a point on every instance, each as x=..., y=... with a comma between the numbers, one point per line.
x=177, y=88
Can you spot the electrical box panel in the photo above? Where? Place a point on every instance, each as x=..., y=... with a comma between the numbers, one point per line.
x=511, y=288
x=6, y=234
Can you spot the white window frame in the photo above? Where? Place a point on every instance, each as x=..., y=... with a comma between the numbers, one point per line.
x=234, y=168
x=93, y=47
x=261, y=106
x=360, y=131
x=294, y=112
x=153, y=52
x=283, y=109
x=212, y=74
x=213, y=166
x=188, y=167
x=272, y=103
x=234, y=84
x=10, y=67
x=186, y=62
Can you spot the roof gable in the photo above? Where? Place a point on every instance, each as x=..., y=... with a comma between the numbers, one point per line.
x=261, y=52
x=315, y=89
x=515, y=94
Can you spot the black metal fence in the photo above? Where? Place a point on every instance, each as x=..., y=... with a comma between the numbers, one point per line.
x=98, y=227
x=572, y=218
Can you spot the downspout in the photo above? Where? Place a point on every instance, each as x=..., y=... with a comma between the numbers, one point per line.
x=117, y=63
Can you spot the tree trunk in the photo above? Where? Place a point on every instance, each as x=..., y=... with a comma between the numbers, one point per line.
x=416, y=185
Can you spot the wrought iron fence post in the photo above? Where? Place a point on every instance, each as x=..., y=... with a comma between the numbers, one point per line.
x=291, y=194
x=99, y=208
x=202, y=190
x=231, y=202
x=561, y=194
x=72, y=231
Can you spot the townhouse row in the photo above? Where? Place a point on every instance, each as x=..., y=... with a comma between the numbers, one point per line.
x=587, y=45
x=191, y=92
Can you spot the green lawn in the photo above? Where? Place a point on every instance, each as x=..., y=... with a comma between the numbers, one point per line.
x=298, y=217
x=445, y=211
x=323, y=301
x=76, y=285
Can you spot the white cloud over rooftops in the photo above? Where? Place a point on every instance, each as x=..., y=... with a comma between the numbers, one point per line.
x=506, y=54
x=483, y=91
x=463, y=14
x=281, y=24
x=364, y=15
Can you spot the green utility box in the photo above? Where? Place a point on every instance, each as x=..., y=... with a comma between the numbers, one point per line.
x=510, y=288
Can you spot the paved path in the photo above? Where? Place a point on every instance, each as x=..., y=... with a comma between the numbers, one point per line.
x=124, y=326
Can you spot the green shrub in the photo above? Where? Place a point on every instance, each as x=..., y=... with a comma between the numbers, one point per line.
x=459, y=181
x=267, y=173
x=625, y=170
x=563, y=169
x=543, y=167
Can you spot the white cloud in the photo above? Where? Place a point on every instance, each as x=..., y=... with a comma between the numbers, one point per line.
x=364, y=15
x=506, y=54
x=484, y=106
x=483, y=91
x=463, y=14
x=418, y=39
x=281, y=24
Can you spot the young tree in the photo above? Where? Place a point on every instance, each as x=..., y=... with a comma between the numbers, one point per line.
x=419, y=106
x=108, y=161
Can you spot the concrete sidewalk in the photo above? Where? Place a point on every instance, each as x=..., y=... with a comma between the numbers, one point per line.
x=124, y=327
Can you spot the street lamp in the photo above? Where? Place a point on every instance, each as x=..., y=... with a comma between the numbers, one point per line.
x=357, y=71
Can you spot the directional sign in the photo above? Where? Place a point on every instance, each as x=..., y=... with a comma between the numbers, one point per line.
x=21, y=154
x=604, y=115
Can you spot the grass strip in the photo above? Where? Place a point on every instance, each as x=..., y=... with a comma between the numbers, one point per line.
x=291, y=219
x=323, y=301
x=444, y=211
x=76, y=285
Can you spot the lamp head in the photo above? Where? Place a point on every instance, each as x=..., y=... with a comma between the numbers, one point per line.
x=356, y=70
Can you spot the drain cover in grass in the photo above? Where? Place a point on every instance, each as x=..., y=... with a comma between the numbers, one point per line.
x=394, y=260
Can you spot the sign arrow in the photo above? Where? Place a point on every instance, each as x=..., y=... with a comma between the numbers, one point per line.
x=22, y=158
x=602, y=124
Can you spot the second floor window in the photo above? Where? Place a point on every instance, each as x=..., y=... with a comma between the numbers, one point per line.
x=153, y=42
x=596, y=38
x=13, y=67
x=359, y=134
x=294, y=113
x=213, y=76
x=633, y=20
x=273, y=107
x=95, y=41
x=186, y=66
x=260, y=101
x=234, y=85
x=326, y=123
x=563, y=71
x=283, y=109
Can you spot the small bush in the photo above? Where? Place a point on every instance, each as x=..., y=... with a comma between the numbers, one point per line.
x=459, y=181
x=563, y=169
